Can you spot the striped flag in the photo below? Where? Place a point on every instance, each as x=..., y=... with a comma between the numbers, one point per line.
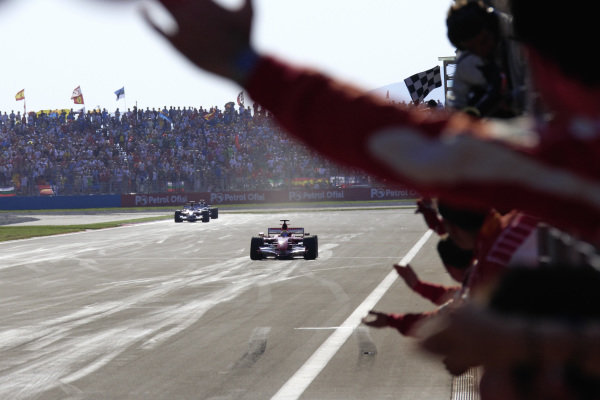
x=20, y=95
x=8, y=191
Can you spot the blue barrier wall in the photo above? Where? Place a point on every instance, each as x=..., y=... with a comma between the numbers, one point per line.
x=59, y=202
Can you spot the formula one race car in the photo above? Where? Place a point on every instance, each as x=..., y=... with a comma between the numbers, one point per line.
x=284, y=243
x=194, y=211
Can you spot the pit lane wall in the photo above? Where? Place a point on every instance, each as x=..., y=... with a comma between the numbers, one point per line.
x=213, y=198
x=270, y=196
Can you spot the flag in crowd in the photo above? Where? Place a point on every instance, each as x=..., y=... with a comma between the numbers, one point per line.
x=176, y=186
x=8, y=191
x=20, y=95
x=77, y=96
x=120, y=93
x=46, y=190
x=165, y=117
x=240, y=99
x=421, y=84
x=210, y=115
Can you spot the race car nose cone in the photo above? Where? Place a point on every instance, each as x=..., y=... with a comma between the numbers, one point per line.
x=282, y=243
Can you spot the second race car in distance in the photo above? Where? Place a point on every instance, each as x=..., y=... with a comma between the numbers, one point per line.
x=284, y=243
x=193, y=211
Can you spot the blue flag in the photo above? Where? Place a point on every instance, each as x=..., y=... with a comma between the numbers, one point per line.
x=120, y=93
x=163, y=116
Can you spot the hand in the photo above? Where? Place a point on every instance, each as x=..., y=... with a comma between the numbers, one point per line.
x=210, y=36
x=430, y=215
x=408, y=274
x=424, y=204
x=381, y=319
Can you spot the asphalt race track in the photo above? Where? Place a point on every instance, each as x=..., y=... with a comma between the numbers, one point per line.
x=179, y=311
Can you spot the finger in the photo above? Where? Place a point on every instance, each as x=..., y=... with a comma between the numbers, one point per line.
x=376, y=323
x=146, y=15
x=401, y=269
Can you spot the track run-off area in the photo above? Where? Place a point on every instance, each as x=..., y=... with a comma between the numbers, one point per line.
x=161, y=310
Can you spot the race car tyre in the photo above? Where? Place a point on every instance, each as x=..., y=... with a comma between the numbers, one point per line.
x=312, y=251
x=178, y=216
x=205, y=216
x=255, y=244
x=214, y=213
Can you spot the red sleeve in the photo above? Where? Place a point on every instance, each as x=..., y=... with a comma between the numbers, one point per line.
x=436, y=154
x=336, y=120
x=437, y=294
x=405, y=323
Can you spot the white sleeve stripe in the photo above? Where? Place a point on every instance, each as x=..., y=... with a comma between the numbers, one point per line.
x=464, y=159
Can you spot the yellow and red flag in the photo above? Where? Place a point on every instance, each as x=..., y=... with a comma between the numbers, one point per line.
x=77, y=97
x=20, y=95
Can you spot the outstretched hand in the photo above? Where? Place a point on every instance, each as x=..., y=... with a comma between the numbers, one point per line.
x=408, y=274
x=212, y=37
x=381, y=319
x=426, y=207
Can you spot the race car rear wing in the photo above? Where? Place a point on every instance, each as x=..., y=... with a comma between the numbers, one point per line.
x=291, y=231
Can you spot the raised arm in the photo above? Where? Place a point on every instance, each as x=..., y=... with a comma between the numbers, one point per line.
x=437, y=294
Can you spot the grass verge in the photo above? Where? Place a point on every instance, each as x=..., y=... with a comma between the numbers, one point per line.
x=29, y=231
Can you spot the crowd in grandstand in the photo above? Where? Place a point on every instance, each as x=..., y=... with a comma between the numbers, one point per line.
x=154, y=150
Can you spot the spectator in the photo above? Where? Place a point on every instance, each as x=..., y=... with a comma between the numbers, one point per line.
x=487, y=242
x=104, y=153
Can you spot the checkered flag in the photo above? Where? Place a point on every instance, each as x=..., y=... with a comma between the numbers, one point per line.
x=419, y=85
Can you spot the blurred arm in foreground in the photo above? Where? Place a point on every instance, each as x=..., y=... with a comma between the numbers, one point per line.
x=439, y=154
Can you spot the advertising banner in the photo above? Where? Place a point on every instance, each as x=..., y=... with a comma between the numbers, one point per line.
x=267, y=196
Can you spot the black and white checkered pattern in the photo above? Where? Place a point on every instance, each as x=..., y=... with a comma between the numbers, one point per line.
x=419, y=85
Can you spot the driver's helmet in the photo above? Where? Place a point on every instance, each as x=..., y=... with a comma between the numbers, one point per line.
x=284, y=233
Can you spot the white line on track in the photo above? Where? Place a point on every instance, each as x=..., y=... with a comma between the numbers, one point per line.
x=298, y=383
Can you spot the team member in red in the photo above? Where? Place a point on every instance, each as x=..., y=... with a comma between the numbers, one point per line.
x=554, y=177
x=497, y=241
x=457, y=263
